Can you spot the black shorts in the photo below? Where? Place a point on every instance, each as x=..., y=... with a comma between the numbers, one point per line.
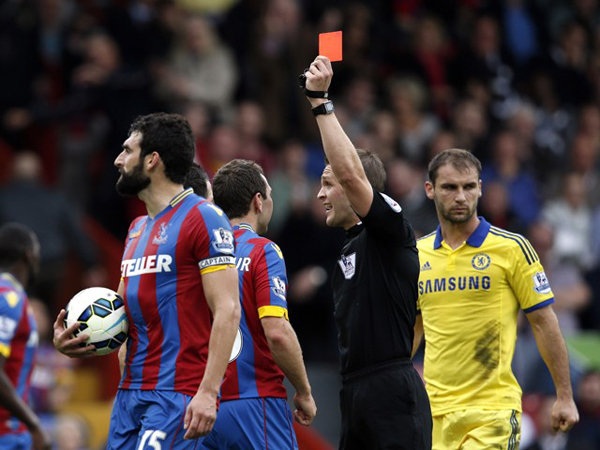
x=385, y=407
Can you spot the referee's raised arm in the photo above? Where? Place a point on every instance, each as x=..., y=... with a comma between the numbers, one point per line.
x=339, y=150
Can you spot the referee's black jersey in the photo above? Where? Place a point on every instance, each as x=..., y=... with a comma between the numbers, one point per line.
x=375, y=288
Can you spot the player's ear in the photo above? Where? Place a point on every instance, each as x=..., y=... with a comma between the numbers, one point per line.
x=480, y=188
x=429, y=190
x=152, y=160
x=257, y=202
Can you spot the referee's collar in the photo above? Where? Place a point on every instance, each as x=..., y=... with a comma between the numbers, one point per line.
x=476, y=238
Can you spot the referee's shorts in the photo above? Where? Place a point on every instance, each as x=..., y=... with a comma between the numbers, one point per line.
x=385, y=406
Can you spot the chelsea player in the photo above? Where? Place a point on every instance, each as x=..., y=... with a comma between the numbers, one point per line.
x=474, y=278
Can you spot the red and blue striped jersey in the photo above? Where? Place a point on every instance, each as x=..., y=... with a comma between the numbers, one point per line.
x=252, y=372
x=169, y=318
x=18, y=345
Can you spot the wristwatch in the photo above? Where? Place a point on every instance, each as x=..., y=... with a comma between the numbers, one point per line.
x=324, y=108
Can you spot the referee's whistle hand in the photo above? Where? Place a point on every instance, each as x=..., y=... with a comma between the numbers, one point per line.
x=306, y=409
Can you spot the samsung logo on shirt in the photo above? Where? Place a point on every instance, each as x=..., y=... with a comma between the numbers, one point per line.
x=146, y=264
x=453, y=284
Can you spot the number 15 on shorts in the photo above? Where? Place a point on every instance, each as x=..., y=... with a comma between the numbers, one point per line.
x=153, y=437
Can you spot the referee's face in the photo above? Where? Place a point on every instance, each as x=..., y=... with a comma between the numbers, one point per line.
x=338, y=211
x=455, y=193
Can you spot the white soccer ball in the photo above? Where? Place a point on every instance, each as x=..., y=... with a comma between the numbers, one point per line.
x=101, y=315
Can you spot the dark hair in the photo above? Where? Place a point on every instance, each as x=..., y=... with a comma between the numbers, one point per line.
x=15, y=241
x=235, y=185
x=169, y=135
x=461, y=160
x=197, y=178
x=373, y=167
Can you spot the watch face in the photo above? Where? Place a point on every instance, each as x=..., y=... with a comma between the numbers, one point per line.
x=329, y=107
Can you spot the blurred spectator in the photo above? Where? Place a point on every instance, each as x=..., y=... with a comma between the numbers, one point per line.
x=58, y=226
x=223, y=146
x=507, y=168
x=138, y=27
x=571, y=292
x=522, y=123
x=278, y=51
x=520, y=30
x=495, y=206
x=308, y=245
x=250, y=124
x=200, y=121
x=200, y=68
x=586, y=435
x=416, y=127
x=571, y=219
x=554, y=122
x=567, y=62
x=483, y=60
x=428, y=58
x=357, y=106
x=53, y=375
x=443, y=140
x=470, y=126
x=71, y=433
x=381, y=137
x=406, y=185
x=584, y=161
x=290, y=185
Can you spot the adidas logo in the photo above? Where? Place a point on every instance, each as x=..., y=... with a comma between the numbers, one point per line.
x=426, y=266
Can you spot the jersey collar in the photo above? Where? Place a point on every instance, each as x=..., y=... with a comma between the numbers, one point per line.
x=179, y=197
x=244, y=226
x=476, y=238
x=6, y=276
x=354, y=230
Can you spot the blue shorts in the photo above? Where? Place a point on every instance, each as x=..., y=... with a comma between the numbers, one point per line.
x=253, y=423
x=17, y=441
x=149, y=420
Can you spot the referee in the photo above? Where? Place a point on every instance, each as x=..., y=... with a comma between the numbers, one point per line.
x=383, y=401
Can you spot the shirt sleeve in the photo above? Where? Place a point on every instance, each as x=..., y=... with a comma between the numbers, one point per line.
x=11, y=308
x=527, y=278
x=271, y=283
x=386, y=219
x=214, y=246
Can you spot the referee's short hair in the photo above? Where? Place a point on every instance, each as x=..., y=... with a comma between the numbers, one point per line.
x=461, y=160
x=15, y=241
x=373, y=167
x=235, y=185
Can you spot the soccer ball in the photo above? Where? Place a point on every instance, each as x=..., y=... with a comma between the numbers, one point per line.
x=101, y=314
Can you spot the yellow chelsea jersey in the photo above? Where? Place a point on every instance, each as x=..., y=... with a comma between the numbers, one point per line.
x=469, y=298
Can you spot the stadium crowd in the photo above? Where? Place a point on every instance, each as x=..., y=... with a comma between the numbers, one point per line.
x=515, y=82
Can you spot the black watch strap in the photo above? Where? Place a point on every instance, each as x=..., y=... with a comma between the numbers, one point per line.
x=316, y=94
x=324, y=108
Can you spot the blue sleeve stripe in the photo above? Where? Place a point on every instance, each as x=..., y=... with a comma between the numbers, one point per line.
x=528, y=246
x=525, y=252
x=539, y=305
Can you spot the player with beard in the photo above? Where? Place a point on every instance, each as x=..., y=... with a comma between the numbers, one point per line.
x=20, y=428
x=179, y=283
x=474, y=278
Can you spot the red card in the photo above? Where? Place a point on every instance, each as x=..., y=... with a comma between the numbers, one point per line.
x=330, y=45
